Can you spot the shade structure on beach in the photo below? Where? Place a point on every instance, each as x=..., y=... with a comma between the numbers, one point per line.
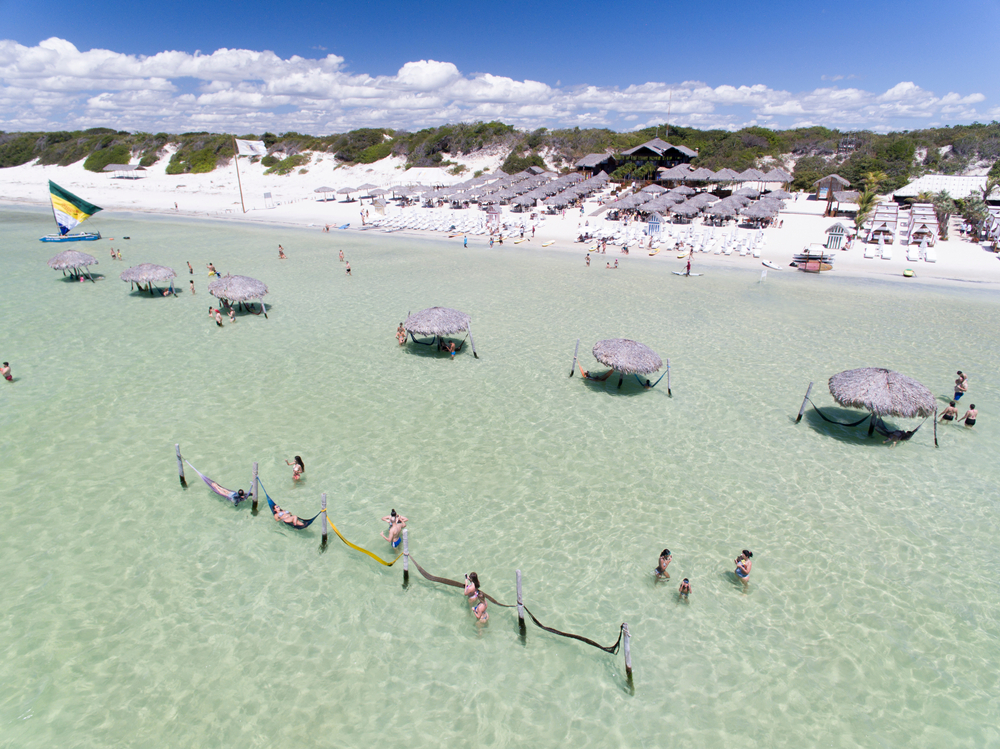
x=747, y=192
x=237, y=288
x=760, y=209
x=724, y=175
x=71, y=259
x=780, y=195
x=346, y=190
x=367, y=186
x=882, y=392
x=437, y=321
x=147, y=273
x=627, y=356
x=324, y=189
x=655, y=189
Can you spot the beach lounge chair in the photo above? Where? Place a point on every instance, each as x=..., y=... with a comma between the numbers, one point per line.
x=869, y=251
x=930, y=255
x=913, y=253
x=887, y=252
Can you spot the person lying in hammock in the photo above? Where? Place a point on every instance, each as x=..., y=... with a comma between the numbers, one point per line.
x=450, y=346
x=895, y=436
x=594, y=377
x=284, y=516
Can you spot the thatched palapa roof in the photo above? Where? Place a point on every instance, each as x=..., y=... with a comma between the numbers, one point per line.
x=437, y=321
x=147, y=272
x=627, y=356
x=71, y=259
x=883, y=392
x=237, y=288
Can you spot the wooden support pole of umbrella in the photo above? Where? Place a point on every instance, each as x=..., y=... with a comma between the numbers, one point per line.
x=520, y=606
x=668, y=379
x=804, y=401
x=576, y=351
x=406, y=559
x=255, y=491
x=180, y=466
x=472, y=342
x=326, y=525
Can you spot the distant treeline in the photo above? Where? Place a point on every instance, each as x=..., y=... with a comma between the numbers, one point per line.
x=817, y=151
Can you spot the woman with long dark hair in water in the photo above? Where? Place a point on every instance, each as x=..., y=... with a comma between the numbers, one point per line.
x=297, y=467
x=743, y=567
x=476, y=598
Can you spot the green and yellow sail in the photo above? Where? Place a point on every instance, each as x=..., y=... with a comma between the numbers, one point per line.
x=69, y=210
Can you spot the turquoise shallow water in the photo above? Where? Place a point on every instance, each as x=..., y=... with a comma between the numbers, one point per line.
x=140, y=614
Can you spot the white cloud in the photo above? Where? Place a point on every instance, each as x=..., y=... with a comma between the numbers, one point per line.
x=55, y=85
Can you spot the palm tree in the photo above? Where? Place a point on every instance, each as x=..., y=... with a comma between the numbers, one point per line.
x=873, y=179
x=991, y=184
x=944, y=206
x=866, y=203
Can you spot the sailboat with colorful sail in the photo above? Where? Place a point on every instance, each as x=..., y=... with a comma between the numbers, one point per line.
x=69, y=212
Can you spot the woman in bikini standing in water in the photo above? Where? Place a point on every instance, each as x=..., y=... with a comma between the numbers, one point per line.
x=297, y=467
x=476, y=598
x=743, y=567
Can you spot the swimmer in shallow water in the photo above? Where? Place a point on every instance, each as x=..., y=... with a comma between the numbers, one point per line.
x=970, y=416
x=477, y=600
x=396, y=525
x=685, y=589
x=661, y=565
x=5, y=371
x=297, y=467
x=950, y=413
x=743, y=567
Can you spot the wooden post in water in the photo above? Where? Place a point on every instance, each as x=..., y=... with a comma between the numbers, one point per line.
x=871, y=424
x=804, y=401
x=628, y=652
x=520, y=606
x=668, y=379
x=326, y=525
x=572, y=369
x=406, y=559
x=935, y=427
x=256, y=490
x=472, y=341
x=180, y=464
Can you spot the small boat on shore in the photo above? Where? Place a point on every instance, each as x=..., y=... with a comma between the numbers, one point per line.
x=69, y=211
x=813, y=259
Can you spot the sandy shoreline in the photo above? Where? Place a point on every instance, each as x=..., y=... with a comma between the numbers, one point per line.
x=215, y=196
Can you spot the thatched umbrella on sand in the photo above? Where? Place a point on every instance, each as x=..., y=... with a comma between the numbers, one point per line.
x=882, y=392
x=438, y=322
x=626, y=356
x=74, y=261
x=146, y=274
x=240, y=289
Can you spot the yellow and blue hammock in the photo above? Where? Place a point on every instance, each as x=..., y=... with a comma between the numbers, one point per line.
x=298, y=524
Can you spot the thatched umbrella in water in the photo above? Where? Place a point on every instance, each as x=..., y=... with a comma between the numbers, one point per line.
x=240, y=289
x=74, y=261
x=626, y=356
x=438, y=322
x=882, y=392
x=146, y=273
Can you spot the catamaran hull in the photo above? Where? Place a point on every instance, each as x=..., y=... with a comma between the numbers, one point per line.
x=82, y=237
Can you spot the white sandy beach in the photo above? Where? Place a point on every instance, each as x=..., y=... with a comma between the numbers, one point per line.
x=294, y=202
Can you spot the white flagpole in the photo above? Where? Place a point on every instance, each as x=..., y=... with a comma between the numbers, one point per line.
x=236, y=162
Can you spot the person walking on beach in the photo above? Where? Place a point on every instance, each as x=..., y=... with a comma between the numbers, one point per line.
x=341, y=256
x=491, y=243
x=113, y=254
x=5, y=371
x=297, y=467
x=588, y=259
x=532, y=231
x=961, y=385
x=616, y=263
x=743, y=567
x=476, y=598
x=192, y=287
x=396, y=525
x=950, y=413
x=465, y=241
x=970, y=416
x=190, y=269
x=281, y=253
x=661, y=565
x=501, y=240
x=119, y=254
x=348, y=269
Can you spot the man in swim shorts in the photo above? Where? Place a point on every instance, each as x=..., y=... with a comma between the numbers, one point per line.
x=5, y=371
x=970, y=416
x=961, y=385
x=396, y=525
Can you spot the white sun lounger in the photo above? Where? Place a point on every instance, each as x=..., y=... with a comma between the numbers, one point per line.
x=913, y=253
x=869, y=251
x=887, y=252
x=930, y=254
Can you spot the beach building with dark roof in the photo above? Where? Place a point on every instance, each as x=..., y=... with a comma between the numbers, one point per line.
x=594, y=163
x=660, y=153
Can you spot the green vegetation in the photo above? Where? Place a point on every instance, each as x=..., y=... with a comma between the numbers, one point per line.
x=893, y=158
x=285, y=165
x=101, y=158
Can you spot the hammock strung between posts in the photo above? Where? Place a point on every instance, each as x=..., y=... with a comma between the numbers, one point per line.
x=607, y=649
x=422, y=343
x=839, y=423
x=651, y=386
x=363, y=551
x=455, y=584
x=897, y=434
x=592, y=378
x=298, y=524
x=232, y=496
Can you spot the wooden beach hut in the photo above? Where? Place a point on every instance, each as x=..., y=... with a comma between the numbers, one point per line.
x=239, y=289
x=881, y=392
x=147, y=273
x=74, y=261
x=438, y=322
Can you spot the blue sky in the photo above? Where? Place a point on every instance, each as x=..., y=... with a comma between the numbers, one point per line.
x=326, y=67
